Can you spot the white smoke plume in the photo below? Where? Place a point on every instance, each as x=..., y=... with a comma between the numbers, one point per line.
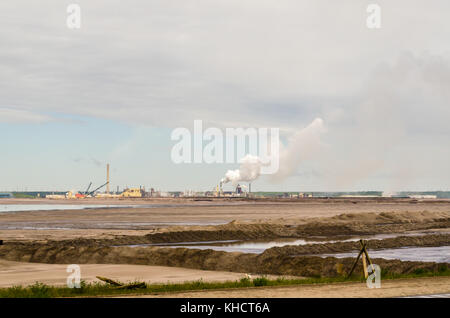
x=249, y=170
x=302, y=145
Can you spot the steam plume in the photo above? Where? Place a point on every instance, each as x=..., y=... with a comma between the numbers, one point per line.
x=302, y=145
x=249, y=170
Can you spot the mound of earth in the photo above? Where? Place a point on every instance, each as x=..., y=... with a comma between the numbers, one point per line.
x=266, y=263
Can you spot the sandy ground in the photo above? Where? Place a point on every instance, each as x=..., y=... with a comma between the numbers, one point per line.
x=42, y=235
x=17, y=273
x=166, y=215
x=103, y=223
x=389, y=288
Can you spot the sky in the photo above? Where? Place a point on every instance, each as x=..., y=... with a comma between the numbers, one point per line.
x=72, y=100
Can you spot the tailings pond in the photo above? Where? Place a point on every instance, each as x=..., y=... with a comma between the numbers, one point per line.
x=426, y=254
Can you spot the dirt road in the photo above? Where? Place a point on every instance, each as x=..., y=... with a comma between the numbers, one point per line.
x=389, y=288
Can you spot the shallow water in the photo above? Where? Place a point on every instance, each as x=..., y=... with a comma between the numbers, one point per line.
x=440, y=254
x=102, y=225
x=51, y=207
x=231, y=245
x=261, y=246
x=179, y=244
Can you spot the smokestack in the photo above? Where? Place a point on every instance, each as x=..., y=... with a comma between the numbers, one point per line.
x=107, y=178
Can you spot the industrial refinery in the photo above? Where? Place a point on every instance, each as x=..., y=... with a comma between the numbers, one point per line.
x=103, y=191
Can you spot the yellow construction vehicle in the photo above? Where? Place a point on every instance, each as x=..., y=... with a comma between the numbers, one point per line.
x=132, y=193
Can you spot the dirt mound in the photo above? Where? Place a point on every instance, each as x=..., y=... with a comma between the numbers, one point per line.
x=373, y=223
x=266, y=263
x=230, y=231
x=280, y=261
x=344, y=224
x=397, y=217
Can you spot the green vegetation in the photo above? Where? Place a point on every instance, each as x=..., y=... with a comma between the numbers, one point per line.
x=20, y=195
x=443, y=270
x=39, y=290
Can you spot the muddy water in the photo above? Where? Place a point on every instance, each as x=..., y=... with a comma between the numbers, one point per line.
x=181, y=244
x=258, y=247
x=51, y=207
x=440, y=254
x=102, y=225
x=233, y=245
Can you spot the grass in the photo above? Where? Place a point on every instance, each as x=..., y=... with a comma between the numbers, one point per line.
x=40, y=290
x=19, y=195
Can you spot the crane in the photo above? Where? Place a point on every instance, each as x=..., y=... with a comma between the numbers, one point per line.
x=87, y=190
x=92, y=193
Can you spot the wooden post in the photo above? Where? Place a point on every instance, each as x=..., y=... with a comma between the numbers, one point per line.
x=357, y=258
x=367, y=255
x=365, y=259
x=109, y=281
x=366, y=273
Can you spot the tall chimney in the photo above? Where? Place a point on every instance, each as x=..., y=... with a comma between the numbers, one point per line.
x=107, y=178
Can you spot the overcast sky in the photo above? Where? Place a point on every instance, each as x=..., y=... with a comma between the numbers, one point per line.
x=112, y=91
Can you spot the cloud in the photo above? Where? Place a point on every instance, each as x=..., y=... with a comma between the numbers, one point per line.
x=18, y=116
x=96, y=162
x=169, y=63
x=401, y=111
x=383, y=94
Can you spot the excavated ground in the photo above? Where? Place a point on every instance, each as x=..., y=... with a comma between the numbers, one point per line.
x=268, y=262
x=339, y=226
x=288, y=260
